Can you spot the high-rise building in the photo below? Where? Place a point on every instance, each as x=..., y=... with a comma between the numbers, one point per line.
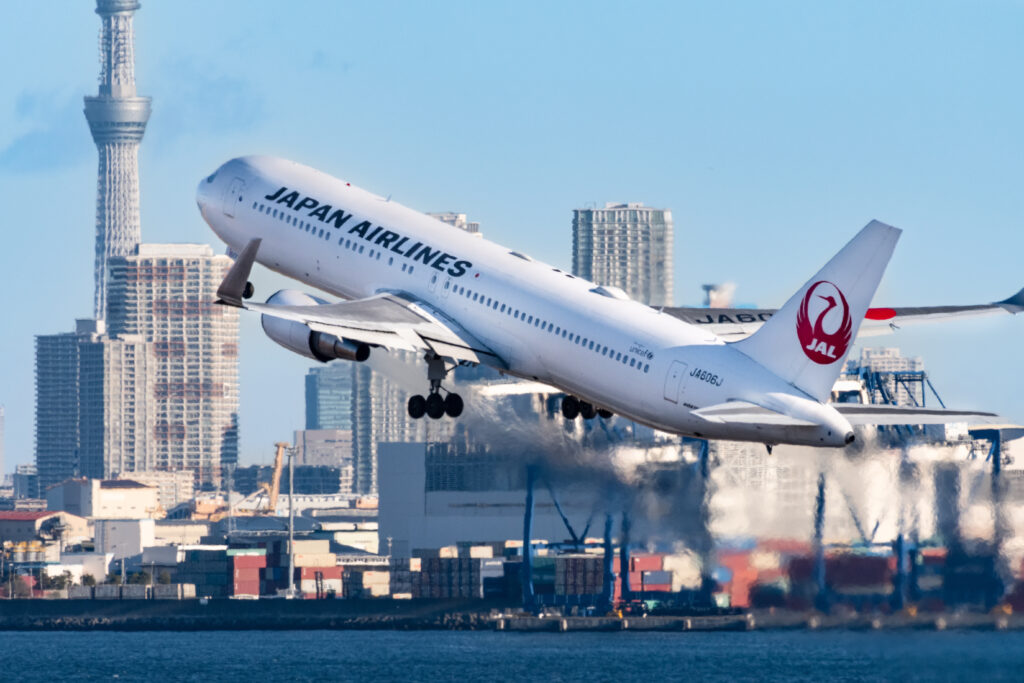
x=164, y=294
x=116, y=405
x=93, y=407
x=117, y=117
x=457, y=220
x=628, y=246
x=329, y=396
x=58, y=359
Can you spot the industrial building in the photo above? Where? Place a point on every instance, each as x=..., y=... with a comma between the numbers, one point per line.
x=628, y=246
x=105, y=499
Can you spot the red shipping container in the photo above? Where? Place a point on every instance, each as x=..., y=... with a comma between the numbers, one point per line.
x=658, y=587
x=325, y=572
x=247, y=575
x=249, y=561
x=646, y=563
x=247, y=588
x=735, y=561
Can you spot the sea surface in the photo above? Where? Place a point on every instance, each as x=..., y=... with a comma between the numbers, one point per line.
x=489, y=656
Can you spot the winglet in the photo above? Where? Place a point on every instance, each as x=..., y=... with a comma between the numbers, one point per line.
x=1015, y=304
x=232, y=289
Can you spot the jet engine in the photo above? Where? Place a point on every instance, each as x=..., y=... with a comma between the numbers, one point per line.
x=297, y=337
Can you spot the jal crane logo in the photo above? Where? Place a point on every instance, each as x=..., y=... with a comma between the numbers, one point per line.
x=827, y=301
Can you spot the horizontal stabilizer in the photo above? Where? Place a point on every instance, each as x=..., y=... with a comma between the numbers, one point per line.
x=861, y=414
x=1015, y=304
x=741, y=412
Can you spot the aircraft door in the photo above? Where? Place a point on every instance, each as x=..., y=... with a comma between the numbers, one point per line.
x=433, y=283
x=673, y=381
x=446, y=288
x=233, y=196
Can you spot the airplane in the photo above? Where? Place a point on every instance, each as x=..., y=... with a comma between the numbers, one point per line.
x=408, y=281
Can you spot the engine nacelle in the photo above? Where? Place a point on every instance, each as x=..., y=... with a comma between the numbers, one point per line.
x=298, y=338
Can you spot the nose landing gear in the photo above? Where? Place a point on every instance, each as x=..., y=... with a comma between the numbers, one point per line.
x=434, y=405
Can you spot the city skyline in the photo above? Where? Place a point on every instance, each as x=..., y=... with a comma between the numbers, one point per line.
x=884, y=112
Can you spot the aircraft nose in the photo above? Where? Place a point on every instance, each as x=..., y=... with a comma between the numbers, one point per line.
x=204, y=193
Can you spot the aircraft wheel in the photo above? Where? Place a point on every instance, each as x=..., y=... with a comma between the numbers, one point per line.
x=435, y=406
x=417, y=407
x=570, y=407
x=248, y=291
x=606, y=414
x=453, y=405
x=587, y=410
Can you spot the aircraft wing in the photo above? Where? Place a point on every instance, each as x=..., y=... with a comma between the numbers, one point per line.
x=871, y=414
x=733, y=324
x=392, y=320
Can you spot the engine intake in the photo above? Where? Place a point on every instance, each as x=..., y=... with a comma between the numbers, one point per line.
x=298, y=338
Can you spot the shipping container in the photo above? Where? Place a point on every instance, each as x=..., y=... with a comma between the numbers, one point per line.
x=645, y=563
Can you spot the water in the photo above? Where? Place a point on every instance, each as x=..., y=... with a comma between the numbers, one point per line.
x=445, y=655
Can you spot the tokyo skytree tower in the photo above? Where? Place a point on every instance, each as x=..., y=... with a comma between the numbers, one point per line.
x=117, y=119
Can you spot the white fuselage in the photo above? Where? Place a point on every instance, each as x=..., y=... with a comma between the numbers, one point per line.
x=545, y=323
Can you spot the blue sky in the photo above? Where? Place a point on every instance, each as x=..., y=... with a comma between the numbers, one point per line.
x=773, y=131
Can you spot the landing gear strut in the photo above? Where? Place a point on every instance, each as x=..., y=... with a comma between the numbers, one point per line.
x=434, y=405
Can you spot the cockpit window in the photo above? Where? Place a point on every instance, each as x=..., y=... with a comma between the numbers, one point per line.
x=210, y=179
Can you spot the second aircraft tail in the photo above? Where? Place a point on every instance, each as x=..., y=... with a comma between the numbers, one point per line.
x=807, y=340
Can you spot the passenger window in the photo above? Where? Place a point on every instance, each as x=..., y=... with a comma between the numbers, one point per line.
x=410, y=269
x=632, y=362
x=646, y=368
x=391, y=260
x=591, y=346
x=361, y=249
x=618, y=356
x=503, y=308
x=495, y=307
x=529, y=320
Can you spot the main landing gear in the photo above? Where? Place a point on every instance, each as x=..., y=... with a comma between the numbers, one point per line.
x=573, y=407
x=434, y=405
